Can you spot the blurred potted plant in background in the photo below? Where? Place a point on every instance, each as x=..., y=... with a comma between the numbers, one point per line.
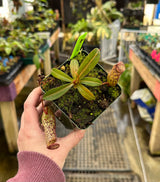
x=32, y=22
x=5, y=27
x=149, y=48
x=21, y=44
x=9, y=61
x=149, y=44
x=133, y=15
x=49, y=21
x=19, y=38
x=41, y=18
x=32, y=43
x=97, y=23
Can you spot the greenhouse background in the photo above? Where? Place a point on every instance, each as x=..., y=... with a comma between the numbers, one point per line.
x=96, y=67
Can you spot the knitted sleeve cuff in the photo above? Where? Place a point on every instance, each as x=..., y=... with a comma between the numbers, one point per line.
x=36, y=167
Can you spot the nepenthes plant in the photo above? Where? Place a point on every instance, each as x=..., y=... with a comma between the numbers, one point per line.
x=78, y=79
x=82, y=89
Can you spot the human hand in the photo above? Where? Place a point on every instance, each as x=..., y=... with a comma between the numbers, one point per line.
x=32, y=138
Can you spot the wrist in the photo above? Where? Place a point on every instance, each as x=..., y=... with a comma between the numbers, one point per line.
x=35, y=167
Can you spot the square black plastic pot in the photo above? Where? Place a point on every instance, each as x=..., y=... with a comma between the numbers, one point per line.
x=84, y=114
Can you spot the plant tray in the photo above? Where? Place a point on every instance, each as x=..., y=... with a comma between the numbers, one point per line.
x=7, y=78
x=146, y=58
x=101, y=177
x=100, y=149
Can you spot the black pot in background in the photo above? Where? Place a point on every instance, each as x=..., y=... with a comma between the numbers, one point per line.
x=88, y=47
x=8, y=77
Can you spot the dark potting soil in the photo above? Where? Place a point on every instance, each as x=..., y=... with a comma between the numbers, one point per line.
x=81, y=111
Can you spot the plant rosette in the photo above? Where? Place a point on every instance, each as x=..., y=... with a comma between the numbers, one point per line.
x=81, y=89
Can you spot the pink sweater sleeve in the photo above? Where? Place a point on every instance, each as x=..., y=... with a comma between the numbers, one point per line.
x=35, y=167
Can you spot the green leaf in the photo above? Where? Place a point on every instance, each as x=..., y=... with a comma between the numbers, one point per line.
x=57, y=92
x=91, y=81
x=61, y=75
x=18, y=44
x=78, y=45
x=108, y=5
x=74, y=66
x=89, y=63
x=85, y=92
x=8, y=50
x=36, y=61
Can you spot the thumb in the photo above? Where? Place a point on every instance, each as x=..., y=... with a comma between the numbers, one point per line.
x=73, y=139
x=66, y=144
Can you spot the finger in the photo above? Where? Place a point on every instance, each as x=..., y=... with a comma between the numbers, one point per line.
x=72, y=139
x=31, y=114
x=40, y=109
x=34, y=98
